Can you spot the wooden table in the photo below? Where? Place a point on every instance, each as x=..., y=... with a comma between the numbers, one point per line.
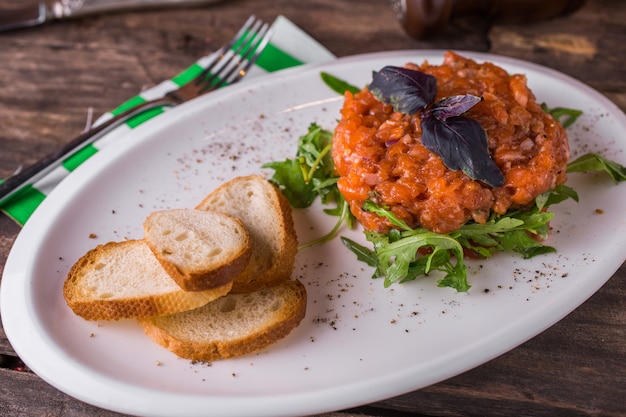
x=51, y=75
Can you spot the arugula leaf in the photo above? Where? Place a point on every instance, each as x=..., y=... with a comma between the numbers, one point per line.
x=337, y=85
x=559, y=113
x=289, y=178
x=594, y=162
x=405, y=254
x=397, y=253
x=311, y=173
x=344, y=216
x=370, y=206
x=519, y=241
x=560, y=193
x=400, y=260
x=362, y=253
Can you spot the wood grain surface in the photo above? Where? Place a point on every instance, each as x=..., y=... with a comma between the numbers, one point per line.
x=52, y=75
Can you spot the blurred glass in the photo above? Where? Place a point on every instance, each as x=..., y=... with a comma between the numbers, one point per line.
x=424, y=18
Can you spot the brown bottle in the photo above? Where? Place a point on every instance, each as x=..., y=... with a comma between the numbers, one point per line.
x=422, y=18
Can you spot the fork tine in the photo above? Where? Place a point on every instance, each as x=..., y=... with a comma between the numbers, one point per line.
x=220, y=53
x=245, y=56
x=233, y=54
x=254, y=51
x=252, y=38
x=224, y=49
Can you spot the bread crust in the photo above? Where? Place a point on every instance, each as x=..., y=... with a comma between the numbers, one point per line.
x=279, y=265
x=202, y=281
x=228, y=307
x=285, y=261
x=213, y=275
x=276, y=327
x=88, y=304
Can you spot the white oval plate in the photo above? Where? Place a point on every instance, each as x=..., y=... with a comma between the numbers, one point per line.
x=359, y=342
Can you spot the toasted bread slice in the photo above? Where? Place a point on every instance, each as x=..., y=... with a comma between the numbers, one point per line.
x=234, y=325
x=266, y=214
x=200, y=250
x=124, y=280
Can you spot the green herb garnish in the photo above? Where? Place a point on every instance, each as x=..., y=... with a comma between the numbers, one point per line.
x=311, y=174
x=563, y=115
x=408, y=91
x=405, y=254
x=337, y=85
x=461, y=142
x=594, y=162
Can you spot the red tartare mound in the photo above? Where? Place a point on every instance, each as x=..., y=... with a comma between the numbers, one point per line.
x=379, y=155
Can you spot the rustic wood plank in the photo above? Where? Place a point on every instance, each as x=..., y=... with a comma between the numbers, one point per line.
x=25, y=394
x=585, y=46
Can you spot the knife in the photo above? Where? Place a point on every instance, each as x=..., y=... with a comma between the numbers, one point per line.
x=36, y=13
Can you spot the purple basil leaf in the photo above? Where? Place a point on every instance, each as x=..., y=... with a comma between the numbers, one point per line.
x=462, y=145
x=406, y=90
x=453, y=106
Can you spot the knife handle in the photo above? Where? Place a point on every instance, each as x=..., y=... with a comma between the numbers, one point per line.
x=60, y=9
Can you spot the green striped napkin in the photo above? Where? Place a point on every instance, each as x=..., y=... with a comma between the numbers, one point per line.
x=288, y=47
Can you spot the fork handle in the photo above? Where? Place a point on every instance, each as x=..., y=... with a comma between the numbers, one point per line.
x=28, y=176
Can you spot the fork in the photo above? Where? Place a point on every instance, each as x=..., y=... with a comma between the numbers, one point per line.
x=227, y=65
